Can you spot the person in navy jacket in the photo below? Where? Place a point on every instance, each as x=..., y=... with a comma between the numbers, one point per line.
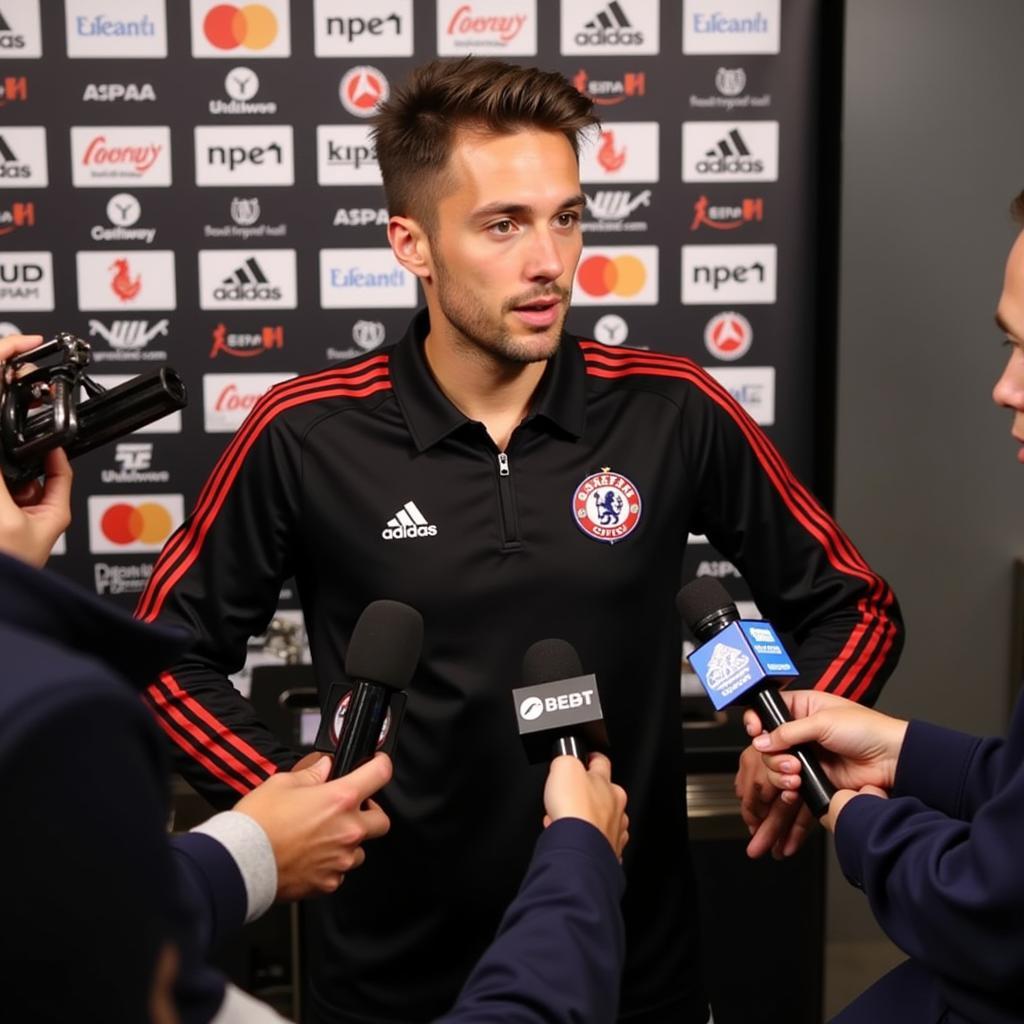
x=929, y=821
x=106, y=919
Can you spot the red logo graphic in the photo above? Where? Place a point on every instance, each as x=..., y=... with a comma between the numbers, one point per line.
x=624, y=275
x=610, y=158
x=227, y=27
x=728, y=336
x=246, y=345
x=20, y=215
x=140, y=157
x=231, y=399
x=606, y=506
x=505, y=27
x=122, y=284
x=13, y=89
x=362, y=88
x=726, y=218
x=147, y=523
x=610, y=92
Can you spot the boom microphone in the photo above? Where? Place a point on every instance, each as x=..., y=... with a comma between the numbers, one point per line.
x=558, y=711
x=382, y=655
x=736, y=661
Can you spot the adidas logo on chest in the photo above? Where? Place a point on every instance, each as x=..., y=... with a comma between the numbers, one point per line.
x=408, y=523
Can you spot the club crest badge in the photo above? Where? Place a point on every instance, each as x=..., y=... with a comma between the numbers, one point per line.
x=606, y=506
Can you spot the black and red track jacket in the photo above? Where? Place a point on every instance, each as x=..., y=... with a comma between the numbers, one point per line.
x=363, y=481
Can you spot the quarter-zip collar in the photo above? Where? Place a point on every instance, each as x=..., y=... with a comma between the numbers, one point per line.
x=560, y=397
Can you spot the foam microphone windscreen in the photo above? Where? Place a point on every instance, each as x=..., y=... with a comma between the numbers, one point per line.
x=548, y=660
x=701, y=598
x=386, y=644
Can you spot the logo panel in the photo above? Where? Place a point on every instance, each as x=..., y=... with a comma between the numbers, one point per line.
x=169, y=424
x=23, y=158
x=20, y=32
x=713, y=274
x=247, y=279
x=241, y=30
x=730, y=151
x=731, y=26
x=16, y=217
x=246, y=344
x=26, y=281
x=364, y=278
x=13, y=89
x=617, y=275
x=486, y=27
x=345, y=155
x=728, y=336
x=119, y=524
x=128, y=340
x=231, y=155
x=116, y=92
x=613, y=209
x=620, y=151
x=609, y=29
x=752, y=386
x=610, y=92
x=114, y=157
x=242, y=85
x=344, y=28
x=229, y=397
x=126, y=279
x=726, y=216
x=362, y=89
x=105, y=28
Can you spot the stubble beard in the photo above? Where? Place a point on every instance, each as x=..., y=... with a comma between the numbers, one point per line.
x=490, y=337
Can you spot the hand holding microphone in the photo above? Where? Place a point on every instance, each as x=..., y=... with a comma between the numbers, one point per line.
x=736, y=663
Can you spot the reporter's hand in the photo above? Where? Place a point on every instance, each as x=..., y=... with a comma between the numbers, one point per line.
x=575, y=791
x=841, y=798
x=775, y=824
x=34, y=516
x=316, y=828
x=858, y=746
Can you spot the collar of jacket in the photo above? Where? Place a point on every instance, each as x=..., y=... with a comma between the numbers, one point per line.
x=560, y=399
x=41, y=602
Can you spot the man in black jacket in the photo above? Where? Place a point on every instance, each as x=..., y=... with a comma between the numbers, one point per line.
x=512, y=482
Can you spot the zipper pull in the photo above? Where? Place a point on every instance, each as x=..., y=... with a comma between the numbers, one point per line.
x=502, y=464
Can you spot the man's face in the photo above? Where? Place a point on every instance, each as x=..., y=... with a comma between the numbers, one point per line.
x=1009, y=389
x=506, y=242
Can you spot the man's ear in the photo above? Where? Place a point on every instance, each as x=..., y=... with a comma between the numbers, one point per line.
x=411, y=247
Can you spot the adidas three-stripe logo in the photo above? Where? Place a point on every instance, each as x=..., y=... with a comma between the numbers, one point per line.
x=408, y=523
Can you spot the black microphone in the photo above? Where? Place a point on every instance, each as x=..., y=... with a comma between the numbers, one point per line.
x=558, y=711
x=737, y=660
x=382, y=656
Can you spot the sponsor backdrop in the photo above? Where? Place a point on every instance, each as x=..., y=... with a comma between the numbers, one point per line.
x=192, y=183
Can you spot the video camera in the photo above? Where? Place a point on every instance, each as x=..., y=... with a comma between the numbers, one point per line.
x=42, y=408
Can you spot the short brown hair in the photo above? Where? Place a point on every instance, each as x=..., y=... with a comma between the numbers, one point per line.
x=1017, y=208
x=413, y=131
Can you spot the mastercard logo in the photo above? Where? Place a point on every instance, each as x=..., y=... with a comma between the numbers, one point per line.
x=251, y=26
x=624, y=276
x=149, y=523
x=617, y=275
x=124, y=525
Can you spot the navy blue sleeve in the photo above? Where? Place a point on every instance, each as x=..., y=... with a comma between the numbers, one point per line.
x=559, y=950
x=212, y=885
x=951, y=771
x=949, y=892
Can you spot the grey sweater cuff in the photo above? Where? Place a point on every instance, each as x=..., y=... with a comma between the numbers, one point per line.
x=250, y=848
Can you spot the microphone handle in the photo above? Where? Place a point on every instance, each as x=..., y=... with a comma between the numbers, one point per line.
x=815, y=787
x=361, y=726
x=570, y=744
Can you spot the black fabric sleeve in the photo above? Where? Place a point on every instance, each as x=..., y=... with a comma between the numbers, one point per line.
x=804, y=572
x=220, y=576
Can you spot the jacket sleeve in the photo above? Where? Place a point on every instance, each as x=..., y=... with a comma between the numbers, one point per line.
x=804, y=573
x=948, y=770
x=948, y=892
x=220, y=576
x=559, y=950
